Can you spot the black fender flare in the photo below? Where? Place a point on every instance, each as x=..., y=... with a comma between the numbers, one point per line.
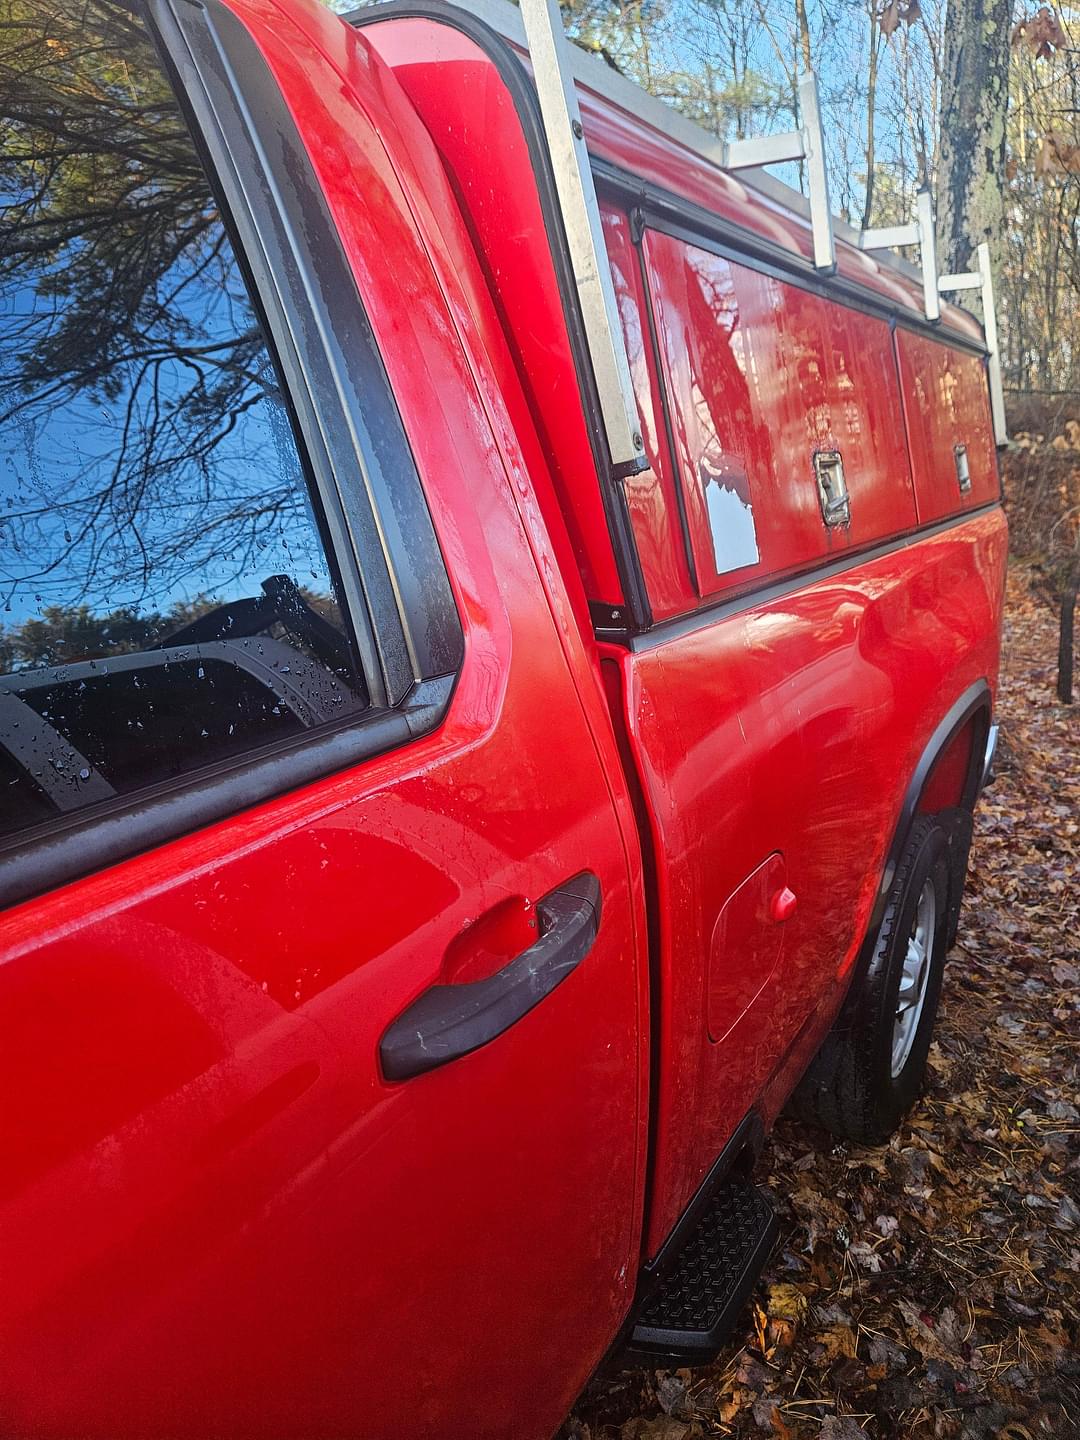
x=976, y=703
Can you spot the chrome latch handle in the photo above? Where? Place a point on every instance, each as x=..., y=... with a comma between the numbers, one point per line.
x=832, y=489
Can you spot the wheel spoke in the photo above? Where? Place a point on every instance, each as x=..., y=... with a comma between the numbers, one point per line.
x=914, y=976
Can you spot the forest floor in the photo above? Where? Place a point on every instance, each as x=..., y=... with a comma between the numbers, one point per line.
x=931, y=1287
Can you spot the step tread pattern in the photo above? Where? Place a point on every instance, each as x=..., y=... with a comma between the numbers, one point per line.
x=713, y=1264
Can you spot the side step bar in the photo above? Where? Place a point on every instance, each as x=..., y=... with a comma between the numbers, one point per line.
x=691, y=1312
x=690, y=1295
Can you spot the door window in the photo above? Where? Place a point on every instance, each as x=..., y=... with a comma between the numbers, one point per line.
x=167, y=598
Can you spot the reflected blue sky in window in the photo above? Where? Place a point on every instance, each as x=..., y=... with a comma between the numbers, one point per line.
x=148, y=495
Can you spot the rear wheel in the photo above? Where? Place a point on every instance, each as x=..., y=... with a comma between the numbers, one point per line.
x=870, y=1069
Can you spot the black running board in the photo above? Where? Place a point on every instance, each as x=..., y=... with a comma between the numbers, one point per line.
x=686, y=1316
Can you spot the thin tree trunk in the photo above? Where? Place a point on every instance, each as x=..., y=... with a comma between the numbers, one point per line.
x=803, y=22
x=871, y=99
x=1065, y=640
x=643, y=43
x=974, y=102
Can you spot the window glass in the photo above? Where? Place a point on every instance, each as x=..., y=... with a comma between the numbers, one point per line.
x=761, y=376
x=166, y=597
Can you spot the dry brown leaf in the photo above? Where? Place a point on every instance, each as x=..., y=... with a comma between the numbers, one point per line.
x=786, y=1302
x=780, y=1428
x=921, y=1333
x=1041, y=33
x=664, y=1427
x=1057, y=157
x=738, y=1400
x=840, y=1342
x=890, y=18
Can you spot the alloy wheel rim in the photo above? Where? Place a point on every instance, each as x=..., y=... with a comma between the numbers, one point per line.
x=914, y=977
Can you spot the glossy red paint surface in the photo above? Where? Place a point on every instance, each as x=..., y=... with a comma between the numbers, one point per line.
x=778, y=730
x=749, y=926
x=460, y=96
x=782, y=905
x=218, y=1218
x=791, y=727
x=945, y=785
x=946, y=404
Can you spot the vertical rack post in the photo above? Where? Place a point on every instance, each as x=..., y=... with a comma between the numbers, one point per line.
x=817, y=174
x=990, y=330
x=924, y=223
x=982, y=279
x=806, y=144
x=920, y=232
x=561, y=117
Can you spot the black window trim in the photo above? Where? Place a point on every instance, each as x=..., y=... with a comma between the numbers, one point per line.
x=382, y=543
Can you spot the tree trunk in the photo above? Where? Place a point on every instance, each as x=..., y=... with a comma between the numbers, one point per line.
x=974, y=101
x=803, y=22
x=1065, y=638
x=871, y=103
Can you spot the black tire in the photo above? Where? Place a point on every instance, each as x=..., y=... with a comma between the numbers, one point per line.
x=850, y=1088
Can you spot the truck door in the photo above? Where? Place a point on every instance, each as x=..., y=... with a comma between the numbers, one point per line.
x=321, y=1020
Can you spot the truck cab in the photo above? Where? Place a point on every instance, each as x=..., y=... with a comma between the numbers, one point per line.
x=435, y=844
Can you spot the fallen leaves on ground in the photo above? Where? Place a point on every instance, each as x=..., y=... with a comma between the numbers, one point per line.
x=931, y=1287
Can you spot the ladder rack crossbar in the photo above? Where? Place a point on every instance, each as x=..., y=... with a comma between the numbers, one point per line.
x=967, y=280
x=919, y=231
x=764, y=150
x=889, y=236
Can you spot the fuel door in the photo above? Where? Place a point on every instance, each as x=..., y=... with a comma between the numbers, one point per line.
x=747, y=941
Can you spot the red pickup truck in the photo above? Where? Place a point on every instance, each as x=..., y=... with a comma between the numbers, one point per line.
x=443, y=823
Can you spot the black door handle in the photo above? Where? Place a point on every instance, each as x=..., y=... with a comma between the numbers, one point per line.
x=448, y=1021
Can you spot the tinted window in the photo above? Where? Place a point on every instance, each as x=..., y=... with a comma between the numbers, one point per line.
x=166, y=597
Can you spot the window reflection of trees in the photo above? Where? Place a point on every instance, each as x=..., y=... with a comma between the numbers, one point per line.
x=167, y=603
x=151, y=473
